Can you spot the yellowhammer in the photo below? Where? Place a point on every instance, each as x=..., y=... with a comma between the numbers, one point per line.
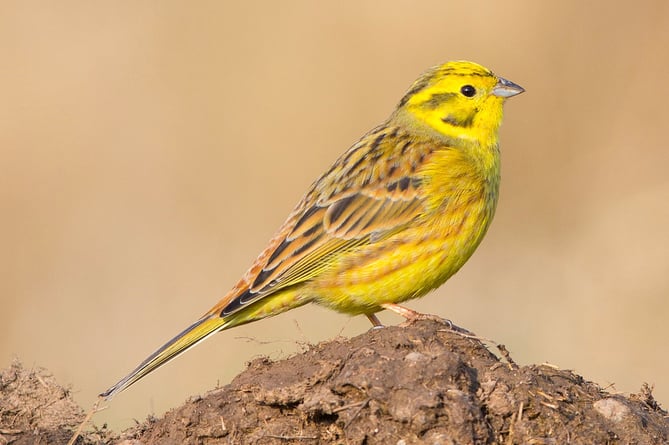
x=394, y=217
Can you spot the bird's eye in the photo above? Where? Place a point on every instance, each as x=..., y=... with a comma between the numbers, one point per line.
x=468, y=91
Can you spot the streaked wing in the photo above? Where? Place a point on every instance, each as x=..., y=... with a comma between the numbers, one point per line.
x=345, y=224
x=372, y=191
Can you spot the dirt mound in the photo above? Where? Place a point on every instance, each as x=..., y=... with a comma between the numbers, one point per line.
x=34, y=409
x=398, y=385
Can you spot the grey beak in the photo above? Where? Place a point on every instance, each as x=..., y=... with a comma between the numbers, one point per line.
x=506, y=88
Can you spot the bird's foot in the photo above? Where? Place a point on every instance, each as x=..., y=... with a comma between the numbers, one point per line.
x=413, y=316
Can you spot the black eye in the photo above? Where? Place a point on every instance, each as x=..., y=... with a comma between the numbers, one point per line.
x=468, y=91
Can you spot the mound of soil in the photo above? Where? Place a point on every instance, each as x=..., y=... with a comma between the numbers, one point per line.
x=418, y=384
x=34, y=409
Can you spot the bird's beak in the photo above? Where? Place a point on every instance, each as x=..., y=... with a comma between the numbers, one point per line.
x=506, y=88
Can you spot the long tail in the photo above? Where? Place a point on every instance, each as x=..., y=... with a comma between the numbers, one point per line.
x=191, y=336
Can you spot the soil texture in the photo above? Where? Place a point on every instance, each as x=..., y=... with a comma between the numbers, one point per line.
x=415, y=384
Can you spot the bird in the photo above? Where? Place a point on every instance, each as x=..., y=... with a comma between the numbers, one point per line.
x=393, y=218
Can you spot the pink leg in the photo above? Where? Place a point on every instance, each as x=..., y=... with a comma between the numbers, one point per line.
x=409, y=314
x=412, y=316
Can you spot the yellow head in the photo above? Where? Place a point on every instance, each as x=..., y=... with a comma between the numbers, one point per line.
x=459, y=100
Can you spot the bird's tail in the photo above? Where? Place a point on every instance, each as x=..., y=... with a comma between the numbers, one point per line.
x=189, y=337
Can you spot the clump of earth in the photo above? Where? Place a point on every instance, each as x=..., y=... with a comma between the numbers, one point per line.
x=417, y=384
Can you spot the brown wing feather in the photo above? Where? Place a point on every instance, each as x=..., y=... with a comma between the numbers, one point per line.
x=373, y=190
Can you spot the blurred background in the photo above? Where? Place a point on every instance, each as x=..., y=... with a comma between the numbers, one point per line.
x=149, y=150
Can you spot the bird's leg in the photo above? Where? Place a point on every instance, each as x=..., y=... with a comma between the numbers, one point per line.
x=375, y=321
x=412, y=316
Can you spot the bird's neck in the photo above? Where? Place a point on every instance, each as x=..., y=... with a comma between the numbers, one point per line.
x=476, y=137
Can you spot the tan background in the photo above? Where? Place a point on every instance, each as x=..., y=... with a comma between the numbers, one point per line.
x=148, y=152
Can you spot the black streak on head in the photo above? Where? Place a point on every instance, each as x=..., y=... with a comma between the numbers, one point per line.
x=417, y=86
x=462, y=123
x=438, y=99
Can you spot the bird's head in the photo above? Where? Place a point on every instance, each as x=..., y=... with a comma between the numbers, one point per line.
x=458, y=99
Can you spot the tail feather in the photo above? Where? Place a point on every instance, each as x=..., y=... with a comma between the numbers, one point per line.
x=189, y=337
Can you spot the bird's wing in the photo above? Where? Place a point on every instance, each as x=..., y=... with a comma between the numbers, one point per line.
x=372, y=191
x=366, y=196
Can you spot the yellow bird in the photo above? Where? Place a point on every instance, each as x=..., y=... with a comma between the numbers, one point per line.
x=393, y=218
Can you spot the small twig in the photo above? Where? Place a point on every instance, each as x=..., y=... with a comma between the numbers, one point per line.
x=610, y=386
x=4, y=431
x=507, y=356
x=548, y=405
x=93, y=410
x=496, y=365
x=20, y=412
x=362, y=406
x=550, y=365
x=351, y=405
x=305, y=339
x=517, y=417
x=263, y=342
x=39, y=379
x=347, y=322
x=274, y=436
x=467, y=334
x=544, y=395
